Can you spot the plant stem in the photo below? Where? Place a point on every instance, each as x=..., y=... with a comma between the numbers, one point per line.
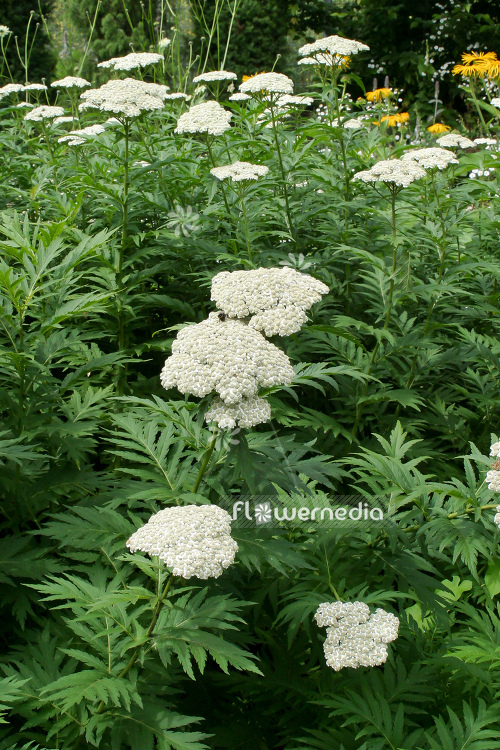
x=283, y=176
x=204, y=463
x=245, y=218
x=159, y=604
x=123, y=244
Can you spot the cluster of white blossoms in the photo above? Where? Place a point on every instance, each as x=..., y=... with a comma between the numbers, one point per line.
x=132, y=61
x=38, y=114
x=352, y=124
x=207, y=117
x=246, y=413
x=77, y=137
x=215, y=75
x=268, y=83
x=496, y=102
x=274, y=299
x=330, y=51
x=455, y=140
x=493, y=476
x=354, y=636
x=485, y=141
x=431, y=158
x=240, y=171
x=164, y=43
x=177, y=95
x=239, y=97
x=192, y=540
x=129, y=97
x=62, y=120
x=4, y=30
x=10, y=88
x=35, y=87
x=70, y=82
x=225, y=356
x=392, y=171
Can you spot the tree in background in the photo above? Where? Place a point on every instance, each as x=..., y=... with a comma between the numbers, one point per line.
x=16, y=15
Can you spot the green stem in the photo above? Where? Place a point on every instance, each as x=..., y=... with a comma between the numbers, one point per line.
x=159, y=604
x=123, y=245
x=204, y=463
x=341, y=137
x=245, y=218
x=283, y=176
x=479, y=110
x=222, y=185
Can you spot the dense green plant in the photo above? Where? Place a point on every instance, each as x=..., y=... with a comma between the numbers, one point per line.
x=29, y=42
x=106, y=250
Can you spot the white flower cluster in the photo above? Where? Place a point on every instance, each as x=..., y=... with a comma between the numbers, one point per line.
x=225, y=356
x=493, y=476
x=331, y=50
x=62, y=120
x=70, y=82
x=215, y=75
x=239, y=171
x=10, y=88
x=77, y=137
x=485, y=141
x=193, y=540
x=352, y=124
x=497, y=516
x=270, y=83
x=481, y=173
x=321, y=58
x=275, y=298
x=177, y=95
x=455, y=139
x=35, y=87
x=395, y=171
x=246, y=413
x=207, y=117
x=4, y=30
x=132, y=61
x=431, y=158
x=354, y=636
x=164, y=43
x=25, y=105
x=286, y=100
x=44, y=113
x=129, y=97
x=239, y=97
x=496, y=102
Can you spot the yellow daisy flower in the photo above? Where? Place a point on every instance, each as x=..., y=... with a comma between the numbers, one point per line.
x=438, y=128
x=378, y=94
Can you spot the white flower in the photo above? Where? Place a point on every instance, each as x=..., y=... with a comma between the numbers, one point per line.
x=141, y=164
x=25, y=105
x=455, y=139
x=4, y=30
x=322, y=58
x=354, y=637
x=192, y=540
x=430, y=158
x=132, y=61
x=337, y=46
x=225, y=356
x=35, y=87
x=495, y=449
x=44, y=113
x=485, y=141
x=276, y=298
x=127, y=98
x=164, y=43
x=497, y=516
x=77, y=137
x=246, y=413
x=239, y=97
x=395, y=171
x=10, y=88
x=286, y=100
x=61, y=120
x=273, y=83
x=177, y=95
x=239, y=171
x=493, y=480
x=215, y=75
x=70, y=82
x=353, y=124
x=208, y=117
x=496, y=102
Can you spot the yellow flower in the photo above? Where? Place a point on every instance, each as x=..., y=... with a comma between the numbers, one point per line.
x=247, y=78
x=478, y=64
x=494, y=69
x=378, y=94
x=438, y=128
x=396, y=119
x=475, y=57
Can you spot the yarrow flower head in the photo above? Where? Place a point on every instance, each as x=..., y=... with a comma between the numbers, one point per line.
x=245, y=413
x=326, y=59
x=176, y=95
x=38, y=114
x=239, y=97
x=275, y=299
x=164, y=43
x=495, y=101
x=225, y=356
x=207, y=117
x=192, y=540
x=485, y=141
x=455, y=139
x=355, y=637
x=493, y=476
x=77, y=137
x=438, y=127
x=62, y=120
x=10, y=88
x=337, y=47
x=132, y=61
x=35, y=87
x=70, y=82
x=128, y=98
x=240, y=171
x=393, y=172
x=267, y=83
x=215, y=75
x=431, y=158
